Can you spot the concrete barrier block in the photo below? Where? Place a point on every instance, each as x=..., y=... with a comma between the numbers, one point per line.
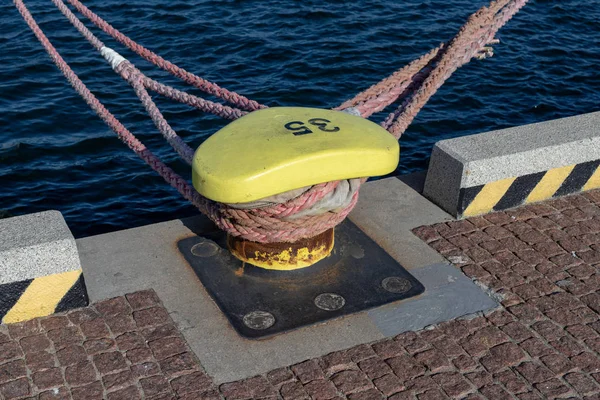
x=497, y=170
x=40, y=271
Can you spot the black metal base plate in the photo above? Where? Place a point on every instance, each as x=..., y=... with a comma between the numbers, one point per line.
x=358, y=275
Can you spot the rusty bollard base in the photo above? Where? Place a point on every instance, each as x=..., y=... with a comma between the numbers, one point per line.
x=283, y=256
x=356, y=276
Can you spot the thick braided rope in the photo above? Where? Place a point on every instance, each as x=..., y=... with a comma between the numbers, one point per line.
x=217, y=109
x=167, y=91
x=425, y=85
x=479, y=30
x=402, y=87
x=133, y=76
x=192, y=79
x=257, y=228
x=267, y=224
x=388, y=84
x=123, y=133
x=408, y=80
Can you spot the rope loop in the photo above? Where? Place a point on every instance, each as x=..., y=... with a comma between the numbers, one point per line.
x=306, y=212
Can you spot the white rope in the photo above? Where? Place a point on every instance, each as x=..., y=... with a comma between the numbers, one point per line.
x=352, y=111
x=113, y=58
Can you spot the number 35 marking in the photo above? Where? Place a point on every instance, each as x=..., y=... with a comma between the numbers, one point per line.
x=298, y=127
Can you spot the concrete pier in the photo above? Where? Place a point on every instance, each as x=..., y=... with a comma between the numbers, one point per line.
x=510, y=308
x=123, y=262
x=493, y=171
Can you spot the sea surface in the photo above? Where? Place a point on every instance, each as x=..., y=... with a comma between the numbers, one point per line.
x=57, y=154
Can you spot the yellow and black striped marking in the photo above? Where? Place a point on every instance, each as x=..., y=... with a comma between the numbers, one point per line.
x=512, y=192
x=22, y=301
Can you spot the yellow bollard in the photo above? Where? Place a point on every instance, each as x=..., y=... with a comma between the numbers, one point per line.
x=278, y=149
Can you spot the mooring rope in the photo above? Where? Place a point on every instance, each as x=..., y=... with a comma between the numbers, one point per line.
x=194, y=80
x=123, y=133
x=282, y=219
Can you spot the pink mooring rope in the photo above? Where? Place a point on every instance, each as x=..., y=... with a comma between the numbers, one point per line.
x=413, y=85
x=194, y=80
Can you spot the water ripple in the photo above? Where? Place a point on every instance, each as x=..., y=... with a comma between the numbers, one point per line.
x=56, y=154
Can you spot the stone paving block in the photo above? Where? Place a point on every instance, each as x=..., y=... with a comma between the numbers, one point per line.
x=546, y=346
x=40, y=271
x=497, y=170
x=35, y=245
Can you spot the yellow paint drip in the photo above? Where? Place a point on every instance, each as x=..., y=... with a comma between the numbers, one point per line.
x=287, y=260
x=283, y=256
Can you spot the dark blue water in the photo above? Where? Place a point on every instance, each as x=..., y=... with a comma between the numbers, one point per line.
x=56, y=154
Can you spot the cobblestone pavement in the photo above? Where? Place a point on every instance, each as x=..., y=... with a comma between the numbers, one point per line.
x=125, y=348
x=541, y=260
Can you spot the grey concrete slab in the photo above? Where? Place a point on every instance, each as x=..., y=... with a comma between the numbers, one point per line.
x=387, y=211
x=147, y=257
x=491, y=156
x=414, y=180
x=444, y=177
x=36, y=245
x=449, y=295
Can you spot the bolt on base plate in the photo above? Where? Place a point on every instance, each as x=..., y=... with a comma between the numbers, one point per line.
x=358, y=275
